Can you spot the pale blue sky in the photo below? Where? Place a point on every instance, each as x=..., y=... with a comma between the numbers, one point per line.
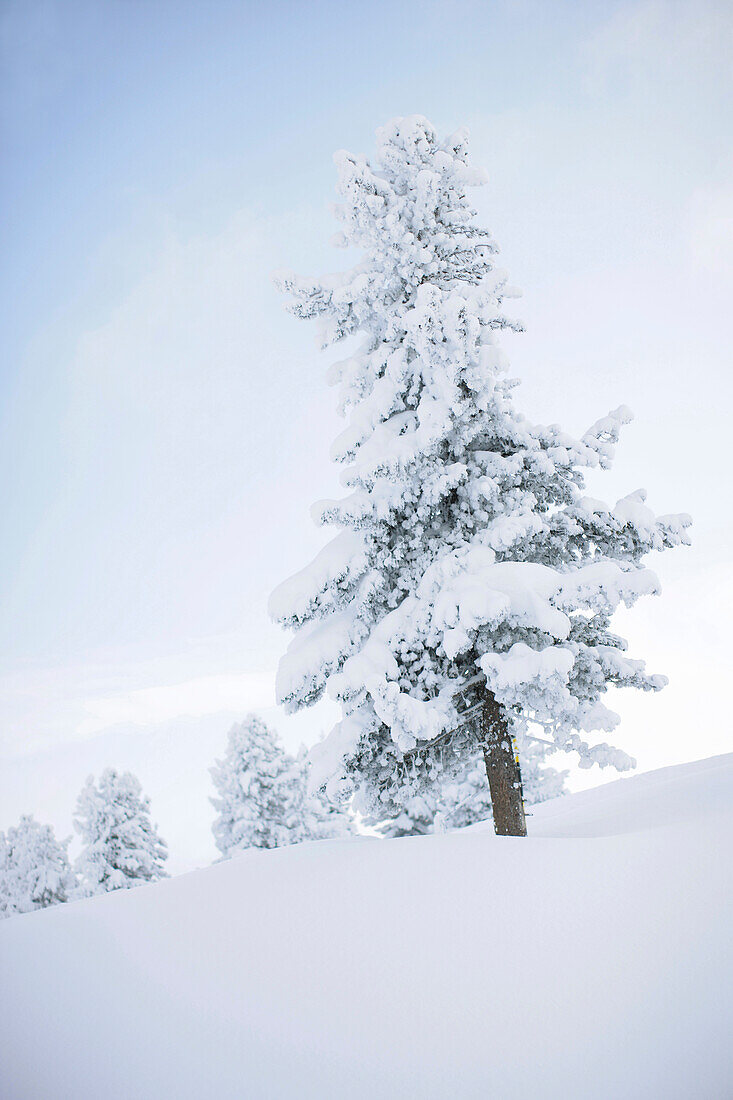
x=165, y=426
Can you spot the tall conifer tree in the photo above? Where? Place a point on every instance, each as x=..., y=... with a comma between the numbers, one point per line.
x=467, y=598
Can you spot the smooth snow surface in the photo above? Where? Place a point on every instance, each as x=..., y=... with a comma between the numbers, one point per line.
x=592, y=960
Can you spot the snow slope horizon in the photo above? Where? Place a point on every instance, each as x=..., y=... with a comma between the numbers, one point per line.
x=589, y=960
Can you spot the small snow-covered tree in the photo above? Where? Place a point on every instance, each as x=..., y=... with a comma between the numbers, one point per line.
x=262, y=797
x=122, y=847
x=468, y=596
x=34, y=868
x=322, y=819
x=259, y=796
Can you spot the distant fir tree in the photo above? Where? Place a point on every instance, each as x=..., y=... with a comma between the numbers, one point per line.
x=262, y=798
x=323, y=820
x=468, y=596
x=34, y=868
x=258, y=795
x=121, y=845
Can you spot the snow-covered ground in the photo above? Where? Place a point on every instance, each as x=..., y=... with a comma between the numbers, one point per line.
x=591, y=960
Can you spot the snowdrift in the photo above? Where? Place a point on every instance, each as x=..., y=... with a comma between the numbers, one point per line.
x=591, y=960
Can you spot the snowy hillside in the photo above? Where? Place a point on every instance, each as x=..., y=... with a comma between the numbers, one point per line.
x=590, y=960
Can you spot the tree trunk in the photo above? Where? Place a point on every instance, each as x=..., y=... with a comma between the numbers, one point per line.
x=502, y=770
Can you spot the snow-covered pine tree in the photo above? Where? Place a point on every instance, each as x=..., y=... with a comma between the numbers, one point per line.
x=322, y=819
x=468, y=595
x=263, y=800
x=34, y=868
x=259, y=799
x=122, y=847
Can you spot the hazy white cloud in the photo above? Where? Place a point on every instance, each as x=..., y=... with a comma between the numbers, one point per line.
x=641, y=43
x=194, y=434
x=192, y=699
x=711, y=229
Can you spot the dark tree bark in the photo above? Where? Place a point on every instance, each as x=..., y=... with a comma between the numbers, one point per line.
x=502, y=770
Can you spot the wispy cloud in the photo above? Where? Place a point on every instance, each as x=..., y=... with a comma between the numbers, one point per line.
x=192, y=699
x=643, y=43
x=711, y=228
